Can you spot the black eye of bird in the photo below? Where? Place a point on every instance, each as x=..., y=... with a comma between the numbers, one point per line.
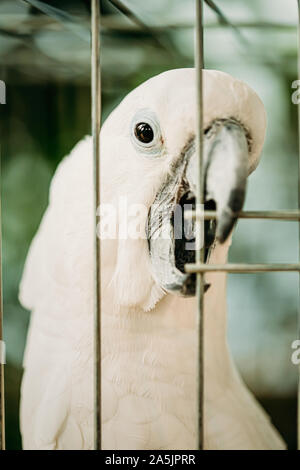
x=144, y=132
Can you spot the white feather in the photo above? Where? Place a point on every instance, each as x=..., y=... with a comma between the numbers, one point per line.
x=149, y=339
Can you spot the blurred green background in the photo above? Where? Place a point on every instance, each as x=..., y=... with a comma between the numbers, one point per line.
x=45, y=62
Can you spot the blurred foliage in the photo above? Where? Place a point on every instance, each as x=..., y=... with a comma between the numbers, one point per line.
x=45, y=62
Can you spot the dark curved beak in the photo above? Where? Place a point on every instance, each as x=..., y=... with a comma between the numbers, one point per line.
x=226, y=170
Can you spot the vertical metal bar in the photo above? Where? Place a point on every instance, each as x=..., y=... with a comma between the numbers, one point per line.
x=298, y=395
x=199, y=62
x=2, y=397
x=96, y=122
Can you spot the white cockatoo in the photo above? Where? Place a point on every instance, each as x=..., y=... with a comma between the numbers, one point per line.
x=149, y=339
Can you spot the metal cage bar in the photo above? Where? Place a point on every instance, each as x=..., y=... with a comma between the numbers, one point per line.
x=96, y=123
x=241, y=268
x=199, y=62
x=2, y=395
x=287, y=215
x=298, y=394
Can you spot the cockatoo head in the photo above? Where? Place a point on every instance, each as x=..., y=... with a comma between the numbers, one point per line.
x=150, y=170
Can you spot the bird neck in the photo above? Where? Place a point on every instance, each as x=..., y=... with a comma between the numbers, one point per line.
x=215, y=302
x=171, y=326
x=179, y=311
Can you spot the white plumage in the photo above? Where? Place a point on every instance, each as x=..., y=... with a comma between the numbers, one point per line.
x=149, y=356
